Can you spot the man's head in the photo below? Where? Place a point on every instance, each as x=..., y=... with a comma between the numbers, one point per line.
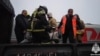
x=70, y=12
x=24, y=12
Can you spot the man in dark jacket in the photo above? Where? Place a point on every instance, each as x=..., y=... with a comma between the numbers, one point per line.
x=21, y=25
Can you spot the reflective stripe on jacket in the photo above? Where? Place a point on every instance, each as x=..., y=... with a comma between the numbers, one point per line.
x=34, y=21
x=34, y=30
x=74, y=24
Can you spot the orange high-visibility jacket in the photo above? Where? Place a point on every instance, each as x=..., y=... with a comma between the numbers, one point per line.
x=74, y=25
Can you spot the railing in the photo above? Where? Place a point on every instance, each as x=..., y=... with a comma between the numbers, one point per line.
x=47, y=50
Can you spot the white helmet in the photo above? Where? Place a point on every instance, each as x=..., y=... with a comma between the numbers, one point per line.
x=49, y=14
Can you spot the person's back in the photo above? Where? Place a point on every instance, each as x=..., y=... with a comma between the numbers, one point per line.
x=39, y=33
x=53, y=22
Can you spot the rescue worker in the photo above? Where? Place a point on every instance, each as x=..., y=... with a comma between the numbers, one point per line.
x=68, y=27
x=39, y=26
x=80, y=31
x=21, y=25
x=53, y=33
x=52, y=21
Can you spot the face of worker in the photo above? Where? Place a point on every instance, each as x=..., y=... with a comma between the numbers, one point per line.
x=24, y=13
x=70, y=12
